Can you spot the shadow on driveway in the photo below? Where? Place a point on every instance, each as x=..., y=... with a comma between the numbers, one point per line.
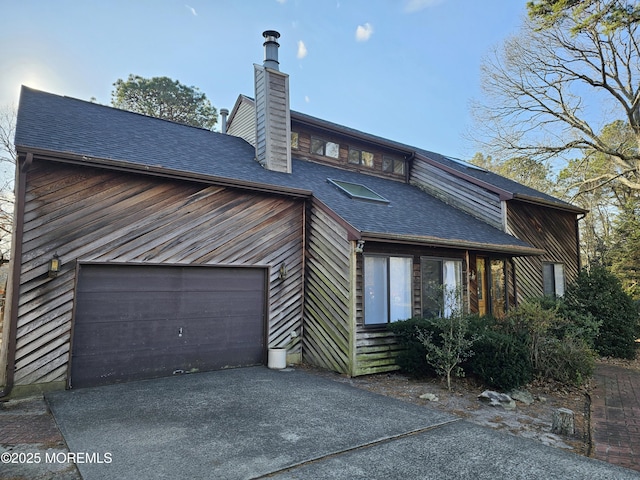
x=252, y=422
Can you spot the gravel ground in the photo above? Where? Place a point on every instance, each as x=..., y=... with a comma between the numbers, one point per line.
x=530, y=421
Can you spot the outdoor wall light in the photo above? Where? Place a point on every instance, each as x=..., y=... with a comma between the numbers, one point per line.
x=472, y=275
x=360, y=246
x=54, y=265
x=282, y=272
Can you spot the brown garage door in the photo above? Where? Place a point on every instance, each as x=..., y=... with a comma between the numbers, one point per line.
x=135, y=322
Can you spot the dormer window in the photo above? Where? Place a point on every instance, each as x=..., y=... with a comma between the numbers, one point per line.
x=392, y=165
x=324, y=148
x=360, y=157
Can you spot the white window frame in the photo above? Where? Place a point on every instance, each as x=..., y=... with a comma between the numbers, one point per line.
x=558, y=278
x=389, y=297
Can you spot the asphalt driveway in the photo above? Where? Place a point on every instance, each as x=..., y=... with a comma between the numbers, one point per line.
x=255, y=422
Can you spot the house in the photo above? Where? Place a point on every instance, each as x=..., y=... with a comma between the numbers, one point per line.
x=146, y=248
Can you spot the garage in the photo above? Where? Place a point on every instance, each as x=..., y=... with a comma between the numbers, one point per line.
x=133, y=322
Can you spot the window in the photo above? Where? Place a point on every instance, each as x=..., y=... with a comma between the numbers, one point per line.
x=498, y=288
x=327, y=149
x=553, y=279
x=392, y=165
x=294, y=140
x=387, y=292
x=360, y=157
x=441, y=287
x=357, y=190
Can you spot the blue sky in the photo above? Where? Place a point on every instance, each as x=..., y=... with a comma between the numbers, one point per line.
x=406, y=70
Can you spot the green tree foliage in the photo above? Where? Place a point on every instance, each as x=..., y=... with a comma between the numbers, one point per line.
x=612, y=15
x=599, y=293
x=625, y=251
x=162, y=97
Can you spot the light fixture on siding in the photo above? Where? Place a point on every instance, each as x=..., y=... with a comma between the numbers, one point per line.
x=360, y=246
x=282, y=272
x=54, y=265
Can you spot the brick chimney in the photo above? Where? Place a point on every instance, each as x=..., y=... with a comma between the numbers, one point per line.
x=273, y=119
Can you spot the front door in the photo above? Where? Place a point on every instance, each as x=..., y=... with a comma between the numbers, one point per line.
x=481, y=270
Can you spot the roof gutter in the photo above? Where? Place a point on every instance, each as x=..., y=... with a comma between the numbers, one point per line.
x=119, y=165
x=514, y=250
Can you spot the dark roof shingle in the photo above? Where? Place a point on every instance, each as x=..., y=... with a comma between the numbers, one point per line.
x=68, y=126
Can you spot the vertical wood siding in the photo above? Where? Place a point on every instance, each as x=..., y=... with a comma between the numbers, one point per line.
x=273, y=123
x=90, y=214
x=470, y=198
x=327, y=312
x=552, y=230
x=244, y=123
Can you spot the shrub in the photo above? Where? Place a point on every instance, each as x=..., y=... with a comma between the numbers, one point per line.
x=599, y=293
x=567, y=360
x=556, y=339
x=501, y=360
x=446, y=353
x=412, y=359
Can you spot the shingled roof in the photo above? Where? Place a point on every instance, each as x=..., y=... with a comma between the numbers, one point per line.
x=73, y=130
x=505, y=187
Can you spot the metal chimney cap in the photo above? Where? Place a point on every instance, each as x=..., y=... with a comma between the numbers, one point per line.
x=271, y=36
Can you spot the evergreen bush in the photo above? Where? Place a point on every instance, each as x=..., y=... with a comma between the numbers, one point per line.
x=599, y=293
x=501, y=360
x=412, y=359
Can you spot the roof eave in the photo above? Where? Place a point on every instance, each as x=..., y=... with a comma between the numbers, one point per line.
x=512, y=250
x=547, y=203
x=154, y=170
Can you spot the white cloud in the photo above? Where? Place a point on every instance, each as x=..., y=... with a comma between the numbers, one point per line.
x=417, y=5
x=364, y=32
x=307, y=99
x=302, y=49
x=193, y=10
x=281, y=1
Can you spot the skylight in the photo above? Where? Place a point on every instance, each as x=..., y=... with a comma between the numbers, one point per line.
x=357, y=190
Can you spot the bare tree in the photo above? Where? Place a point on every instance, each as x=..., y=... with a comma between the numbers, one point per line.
x=551, y=89
x=8, y=159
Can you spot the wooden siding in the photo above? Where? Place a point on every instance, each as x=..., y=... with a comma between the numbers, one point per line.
x=243, y=124
x=376, y=352
x=470, y=198
x=273, y=123
x=86, y=214
x=305, y=134
x=327, y=311
x=546, y=228
x=376, y=348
